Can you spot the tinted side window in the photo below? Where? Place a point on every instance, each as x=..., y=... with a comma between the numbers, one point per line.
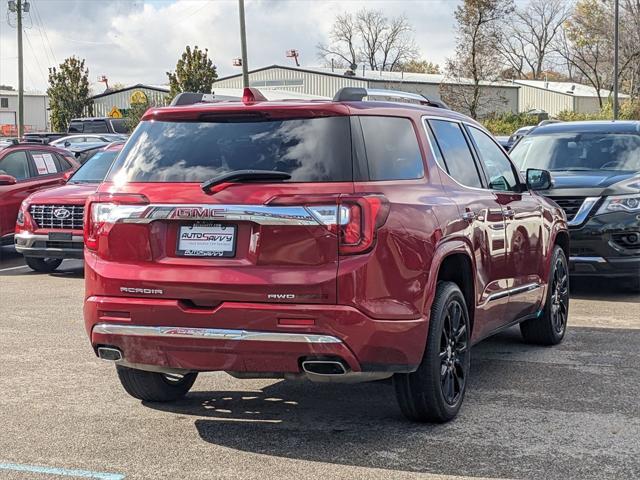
x=496, y=163
x=76, y=127
x=62, y=163
x=96, y=126
x=392, y=148
x=458, y=159
x=16, y=165
x=119, y=125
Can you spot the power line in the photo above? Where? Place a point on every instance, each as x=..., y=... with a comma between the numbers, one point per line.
x=33, y=52
x=44, y=29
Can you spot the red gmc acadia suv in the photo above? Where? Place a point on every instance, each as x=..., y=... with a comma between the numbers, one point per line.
x=342, y=240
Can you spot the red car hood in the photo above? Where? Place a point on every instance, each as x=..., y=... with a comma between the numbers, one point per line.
x=69, y=194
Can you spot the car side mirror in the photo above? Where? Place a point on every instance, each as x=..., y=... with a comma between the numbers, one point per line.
x=538, y=179
x=67, y=175
x=67, y=143
x=8, y=180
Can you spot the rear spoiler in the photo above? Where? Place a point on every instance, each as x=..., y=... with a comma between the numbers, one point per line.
x=249, y=95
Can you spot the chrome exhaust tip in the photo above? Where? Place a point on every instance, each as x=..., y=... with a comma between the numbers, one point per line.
x=109, y=353
x=324, y=367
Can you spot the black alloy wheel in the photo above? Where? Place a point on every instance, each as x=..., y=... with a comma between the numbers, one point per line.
x=454, y=341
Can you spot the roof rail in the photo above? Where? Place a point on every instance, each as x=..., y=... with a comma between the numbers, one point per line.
x=357, y=94
x=189, y=98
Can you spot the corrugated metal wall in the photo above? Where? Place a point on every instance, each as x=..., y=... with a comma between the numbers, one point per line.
x=587, y=104
x=122, y=100
x=551, y=102
x=36, y=115
x=327, y=85
x=295, y=81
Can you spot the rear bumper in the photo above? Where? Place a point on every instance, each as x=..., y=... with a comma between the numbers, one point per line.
x=40, y=246
x=248, y=337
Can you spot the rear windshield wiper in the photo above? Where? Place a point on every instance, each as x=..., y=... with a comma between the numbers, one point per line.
x=243, y=176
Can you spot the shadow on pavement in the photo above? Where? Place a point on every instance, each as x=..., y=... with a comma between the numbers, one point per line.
x=12, y=264
x=527, y=413
x=603, y=289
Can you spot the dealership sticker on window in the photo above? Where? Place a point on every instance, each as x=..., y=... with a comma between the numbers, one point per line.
x=51, y=165
x=41, y=166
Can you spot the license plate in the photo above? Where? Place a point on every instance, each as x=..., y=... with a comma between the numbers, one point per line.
x=60, y=236
x=206, y=240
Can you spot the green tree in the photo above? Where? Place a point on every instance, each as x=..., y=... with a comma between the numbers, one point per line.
x=419, y=66
x=477, y=58
x=195, y=72
x=135, y=113
x=68, y=92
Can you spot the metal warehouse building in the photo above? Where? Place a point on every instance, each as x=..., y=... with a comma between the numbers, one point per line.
x=325, y=82
x=117, y=102
x=36, y=112
x=556, y=97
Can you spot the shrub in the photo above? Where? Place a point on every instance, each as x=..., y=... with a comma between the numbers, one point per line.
x=507, y=123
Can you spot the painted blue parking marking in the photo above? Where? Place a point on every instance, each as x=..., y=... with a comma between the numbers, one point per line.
x=62, y=472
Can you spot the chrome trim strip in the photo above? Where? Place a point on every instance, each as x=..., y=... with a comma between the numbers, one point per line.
x=583, y=211
x=212, y=334
x=261, y=214
x=587, y=259
x=513, y=291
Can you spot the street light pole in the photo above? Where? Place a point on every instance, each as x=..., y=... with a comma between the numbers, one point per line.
x=20, y=74
x=615, y=59
x=243, y=45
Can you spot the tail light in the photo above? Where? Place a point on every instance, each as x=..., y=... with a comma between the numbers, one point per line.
x=105, y=209
x=355, y=220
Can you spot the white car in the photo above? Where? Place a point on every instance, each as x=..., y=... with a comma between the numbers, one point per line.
x=67, y=141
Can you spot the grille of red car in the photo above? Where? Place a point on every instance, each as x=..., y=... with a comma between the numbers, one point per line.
x=58, y=216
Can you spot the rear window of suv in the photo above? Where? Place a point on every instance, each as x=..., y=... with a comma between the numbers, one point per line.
x=310, y=149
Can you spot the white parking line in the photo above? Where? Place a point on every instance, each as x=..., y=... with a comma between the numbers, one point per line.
x=13, y=268
x=63, y=472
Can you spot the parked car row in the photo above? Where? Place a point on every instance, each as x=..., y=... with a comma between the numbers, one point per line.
x=343, y=241
x=49, y=226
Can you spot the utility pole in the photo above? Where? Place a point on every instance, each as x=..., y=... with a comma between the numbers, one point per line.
x=243, y=45
x=18, y=7
x=615, y=59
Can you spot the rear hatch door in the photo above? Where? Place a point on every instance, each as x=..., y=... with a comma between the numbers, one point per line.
x=251, y=241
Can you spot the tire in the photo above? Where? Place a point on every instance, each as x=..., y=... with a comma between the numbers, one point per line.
x=154, y=387
x=435, y=391
x=550, y=327
x=43, y=265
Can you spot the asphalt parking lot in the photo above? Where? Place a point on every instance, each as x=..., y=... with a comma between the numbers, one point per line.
x=530, y=413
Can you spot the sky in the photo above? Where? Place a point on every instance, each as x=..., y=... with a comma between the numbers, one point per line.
x=138, y=41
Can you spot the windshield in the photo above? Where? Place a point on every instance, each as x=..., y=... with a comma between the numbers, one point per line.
x=311, y=150
x=578, y=152
x=95, y=169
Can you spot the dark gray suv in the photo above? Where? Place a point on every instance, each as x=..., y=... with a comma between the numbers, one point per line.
x=596, y=172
